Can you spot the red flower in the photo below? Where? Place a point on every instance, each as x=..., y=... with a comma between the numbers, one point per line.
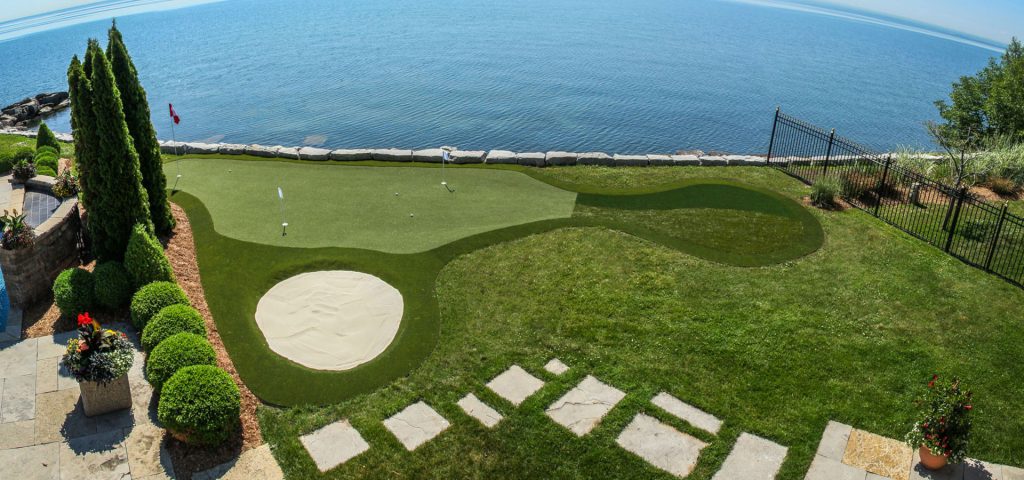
x=82, y=347
x=967, y=407
x=84, y=319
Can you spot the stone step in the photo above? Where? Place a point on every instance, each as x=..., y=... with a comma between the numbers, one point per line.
x=692, y=415
x=515, y=385
x=334, y=445
x=583, y=407
x=752, y=458
x=661, y=445
x=416, y=425
x=479, y=410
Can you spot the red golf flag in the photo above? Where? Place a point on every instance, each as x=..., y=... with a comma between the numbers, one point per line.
x=177, y=119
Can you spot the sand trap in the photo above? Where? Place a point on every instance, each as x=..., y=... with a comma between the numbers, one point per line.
x=333, y=320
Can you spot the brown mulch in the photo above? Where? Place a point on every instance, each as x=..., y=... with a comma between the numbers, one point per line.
x=986, y=193
x=187, y=460
x=841, y=205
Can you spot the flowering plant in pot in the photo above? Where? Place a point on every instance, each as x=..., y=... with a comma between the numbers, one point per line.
x=944, y=428
x=100, y=359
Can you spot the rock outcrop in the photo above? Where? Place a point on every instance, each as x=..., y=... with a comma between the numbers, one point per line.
x=33, y=109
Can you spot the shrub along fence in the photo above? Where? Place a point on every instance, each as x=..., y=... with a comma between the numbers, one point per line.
x=953, y=219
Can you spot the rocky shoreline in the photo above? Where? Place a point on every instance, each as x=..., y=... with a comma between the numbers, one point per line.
x=31, y=110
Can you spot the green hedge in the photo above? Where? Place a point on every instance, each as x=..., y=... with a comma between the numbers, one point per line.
x=145, y=260
x=73, y=291
x=170, y=321
x=175, y=352
x=152, y=298
x=49, y=172
x=113, y=288
x=202, y=403
x=46, y=162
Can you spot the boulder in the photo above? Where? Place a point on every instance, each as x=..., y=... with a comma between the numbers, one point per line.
x=630, y=160
x=713, y=161
x=531, y=159
x=744, y=160
x=392, y=155
x=231, y=149
x=658, y=160
x=201, y=148
x=261, y=151
x=313, y=153
x=429, y=155
x=686, y=160
x=347, y=155
x=501, y=157
x=54, y=98
x=560, y=158
x=595, y=158
x=173, y=148
x=288, y=152
x=469, y=156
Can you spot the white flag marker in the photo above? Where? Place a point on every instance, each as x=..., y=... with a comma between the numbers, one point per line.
x=284, y=223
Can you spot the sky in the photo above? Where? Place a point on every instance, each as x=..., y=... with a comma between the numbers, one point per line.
x=997, y=20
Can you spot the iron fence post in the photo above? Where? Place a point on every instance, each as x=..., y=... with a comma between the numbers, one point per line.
x=961, y=194
x=828, y=153
x=881, y=185
x=771, y=143
x=995, y=237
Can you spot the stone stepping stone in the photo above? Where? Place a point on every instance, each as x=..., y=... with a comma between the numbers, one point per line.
x=334, y=445
x=479, y=410
x=661, y=445
x=583, y=407
x=555, y=366
x=752, y=458
x=416, y=425
x=684, y=411
x=515, y=385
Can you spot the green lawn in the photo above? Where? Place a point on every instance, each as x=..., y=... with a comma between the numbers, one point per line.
x=635, y=294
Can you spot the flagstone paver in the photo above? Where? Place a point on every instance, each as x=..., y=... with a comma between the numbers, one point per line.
x=37, y=462
x=661, y=445
x=17, y=434
x=1013, y=473
x=479, y=410
x=684, y=411
x=583, y=407
x=100, y=456
x=824, y=468
x=416, y=425
x=556, y=367
x=46, y=375
x=877, y=454
x=752, y=458
x=334, y=444
x=834, y=440
x=257, y=463
x=18, y=401
x=515, y=385
x=978, y=470
x=147, y=452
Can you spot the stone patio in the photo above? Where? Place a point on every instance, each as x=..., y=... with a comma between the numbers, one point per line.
x=661, y=445
x=515, y=385
x=583, y=407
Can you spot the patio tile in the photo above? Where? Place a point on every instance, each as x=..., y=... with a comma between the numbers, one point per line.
x=46, y=375
x=515, y=385
x=877, y=454
x=479, y=410
x=661, y=445
x=252, y=464
x=824, y=468
x=38, y=462
x=978, y=470
x=18, y=399
x=692, y=415
x=556, y=367
x=752, y=458
x=583, y=407
x=19, y=359
x=147, y=452
x=334, y=444
x=60, y=417
x=17, y=434
x=1013, y=473
x=100, y=456
x=416, y=425
x=834, y=440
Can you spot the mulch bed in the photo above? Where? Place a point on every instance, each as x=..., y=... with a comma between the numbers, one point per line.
x=187, y=459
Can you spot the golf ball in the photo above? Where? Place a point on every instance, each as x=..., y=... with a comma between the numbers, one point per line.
x=396, y=194
x=411, y=215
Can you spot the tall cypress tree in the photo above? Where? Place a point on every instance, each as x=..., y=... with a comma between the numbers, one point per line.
x=140, y=126
x=82, y=127
x=46, y=138
x=119, y=200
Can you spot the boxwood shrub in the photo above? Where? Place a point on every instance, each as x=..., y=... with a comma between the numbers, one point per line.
x=47, y=171
x=172, y=320
x=145, y=260
x=47, y=150
x=202, y=404
x=152, y=298
x=176, y=352
x=113, y=288
x=73, y=291
x=46, y=161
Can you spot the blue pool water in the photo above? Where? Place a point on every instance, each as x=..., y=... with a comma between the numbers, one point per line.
x=611, y=75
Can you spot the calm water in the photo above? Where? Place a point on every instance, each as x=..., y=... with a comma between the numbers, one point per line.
x=627, y=77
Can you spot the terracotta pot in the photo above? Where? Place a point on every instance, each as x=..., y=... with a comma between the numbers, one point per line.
x=98, y=398
x=932, y=462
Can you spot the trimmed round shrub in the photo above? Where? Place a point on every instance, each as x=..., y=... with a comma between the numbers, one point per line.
x=46, y=149
x=73, y=291
x=145, y=260
x=170, y=321
x=201, y=404
x=176, y=352
x=47, y=161
x=152, y=298
x=49, y=172
x=23, y=153
x=113, y=288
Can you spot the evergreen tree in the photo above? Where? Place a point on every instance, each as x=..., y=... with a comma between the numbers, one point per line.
x=986, y=105
x=140, y=126
x=119, y=200
x=82, y=128
x=46, y=138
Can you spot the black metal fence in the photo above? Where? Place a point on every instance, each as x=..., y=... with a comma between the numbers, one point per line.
x=962, y=224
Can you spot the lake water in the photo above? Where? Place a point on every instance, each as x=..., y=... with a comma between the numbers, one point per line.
x=578, y=75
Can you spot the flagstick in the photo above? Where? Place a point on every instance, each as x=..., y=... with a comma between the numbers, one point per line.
x=177, y=161
x=284, y=224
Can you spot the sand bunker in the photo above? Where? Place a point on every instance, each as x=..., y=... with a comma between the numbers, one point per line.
x=330, y=320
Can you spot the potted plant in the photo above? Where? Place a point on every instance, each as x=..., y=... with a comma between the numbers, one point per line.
x=100, y=359
x=66, y=185
x=23, y=170
x=944, y=429
x=15, y=233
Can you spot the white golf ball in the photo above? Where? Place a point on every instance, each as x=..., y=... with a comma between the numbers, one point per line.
x=396, y=194
x=411, y=215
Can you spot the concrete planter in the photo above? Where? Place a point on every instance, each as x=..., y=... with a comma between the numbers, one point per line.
x=98, y=398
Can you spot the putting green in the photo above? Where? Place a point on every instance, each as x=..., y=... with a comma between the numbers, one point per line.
x=357, y=207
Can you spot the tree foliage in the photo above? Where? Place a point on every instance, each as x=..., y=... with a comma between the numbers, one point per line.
x=46, y=138
x=140, y=126
x=82, y=121
x=987, y=104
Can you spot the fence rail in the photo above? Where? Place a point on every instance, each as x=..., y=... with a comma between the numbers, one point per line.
x=953, y=219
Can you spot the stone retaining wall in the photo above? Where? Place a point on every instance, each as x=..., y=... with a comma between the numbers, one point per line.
x=29, y=273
